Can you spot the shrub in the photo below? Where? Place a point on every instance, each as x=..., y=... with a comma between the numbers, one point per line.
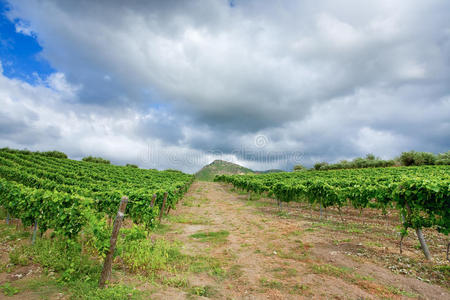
x=299, y=168
x=319, y=165
x=413, y=158
x=132, y=166
x=443, y=158
x=56, y=154
x=97, y=160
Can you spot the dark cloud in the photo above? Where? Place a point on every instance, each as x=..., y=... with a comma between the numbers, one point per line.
x=329, y=80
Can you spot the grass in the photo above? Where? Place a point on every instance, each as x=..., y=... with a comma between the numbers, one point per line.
x=8, y=290
x=162, y=229
x=189, y=219
x=74, y=273
x=43, y=286
x=176, y=281
x=235, y=272
x=327, y=269
x=398, y=291
x=213, y=237
x=283, y=273
x=205, y=264
x=270, y=284
x=298, y=289
x=204, y=291
x=9, y=233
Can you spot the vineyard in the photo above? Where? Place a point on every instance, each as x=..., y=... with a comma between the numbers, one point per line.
x=421, y=194
x=63, y=220
x=68, y=197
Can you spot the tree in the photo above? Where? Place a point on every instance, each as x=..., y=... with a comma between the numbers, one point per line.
x=299, y=168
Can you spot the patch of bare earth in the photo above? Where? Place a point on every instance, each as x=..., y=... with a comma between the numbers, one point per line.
x=292, y=254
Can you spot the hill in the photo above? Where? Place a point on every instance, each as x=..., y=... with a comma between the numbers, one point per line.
x=218, y=167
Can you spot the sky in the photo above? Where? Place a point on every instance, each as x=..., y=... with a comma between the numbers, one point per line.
x=266, y=84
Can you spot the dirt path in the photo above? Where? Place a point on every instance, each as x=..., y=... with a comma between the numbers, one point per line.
x=264, y=254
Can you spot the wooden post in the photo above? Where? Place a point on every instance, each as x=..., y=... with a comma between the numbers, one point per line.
x=163, y=206
x=107, y=266
x=153, y=200
x=34, y=232
x=419, y=233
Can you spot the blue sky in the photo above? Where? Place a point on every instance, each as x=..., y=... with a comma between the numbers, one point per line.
x=19, y=53
x=266, y=84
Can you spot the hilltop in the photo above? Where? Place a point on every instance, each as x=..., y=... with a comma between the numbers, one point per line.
x=218, y=167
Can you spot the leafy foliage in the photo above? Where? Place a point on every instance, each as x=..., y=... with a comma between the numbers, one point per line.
x=425, y=190
x=97, y=160
x=64, y=195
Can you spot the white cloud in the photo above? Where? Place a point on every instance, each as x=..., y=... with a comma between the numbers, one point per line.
x=198, y=77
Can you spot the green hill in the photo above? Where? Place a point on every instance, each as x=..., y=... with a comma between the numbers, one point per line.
x=218, y=167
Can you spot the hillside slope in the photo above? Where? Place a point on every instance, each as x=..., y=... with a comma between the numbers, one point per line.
x=218, y=167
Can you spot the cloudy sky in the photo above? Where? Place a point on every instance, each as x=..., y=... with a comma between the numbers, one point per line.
x=267, y=84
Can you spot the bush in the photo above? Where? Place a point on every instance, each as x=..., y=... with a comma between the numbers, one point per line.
x=56, y=154
x=97, y=160
x=319, y=165
x=145, y=256
x=443, y=158
x=299, y=168
x=413, y=158
x=132, y=166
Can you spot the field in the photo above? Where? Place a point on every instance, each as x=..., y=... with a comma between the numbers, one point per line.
x=221, y=240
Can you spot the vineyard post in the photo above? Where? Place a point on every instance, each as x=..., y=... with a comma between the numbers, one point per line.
x=419, y=233
x=34, y=232
x=448, y=248
x=107, y=266
x=153, y=200
x=163, y=205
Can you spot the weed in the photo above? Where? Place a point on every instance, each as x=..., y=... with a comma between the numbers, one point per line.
x=331, y=270
x=398, y=291
x=271, y=284
x=374, y=244
x=215, y=237
x=177, y=282
x=212, y=266
x=147, y=257
x=204, y=291
x=189, y=219
x=9, y=290
x=235, y=272
x=116, y=292
x=161, y=229
x=298, y=289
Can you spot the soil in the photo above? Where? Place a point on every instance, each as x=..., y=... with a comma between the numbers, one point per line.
x=270, y=254
x=294, y=253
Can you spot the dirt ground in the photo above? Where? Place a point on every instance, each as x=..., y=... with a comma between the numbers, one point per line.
x=253, y=250
x=292, y=254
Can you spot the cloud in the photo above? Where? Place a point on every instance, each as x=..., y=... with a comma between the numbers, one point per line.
x=200, y=77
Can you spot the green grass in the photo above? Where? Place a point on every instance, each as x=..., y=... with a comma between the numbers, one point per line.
x=398, y=291
x=161, y=229
x=270, y=284
x=214, y=237
x=176, y=281
x=204, y=291
x=298, y=289
x=74, y=273
x=9, y=233
x=189, y=219
x=8, y=290
x=331, y=270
